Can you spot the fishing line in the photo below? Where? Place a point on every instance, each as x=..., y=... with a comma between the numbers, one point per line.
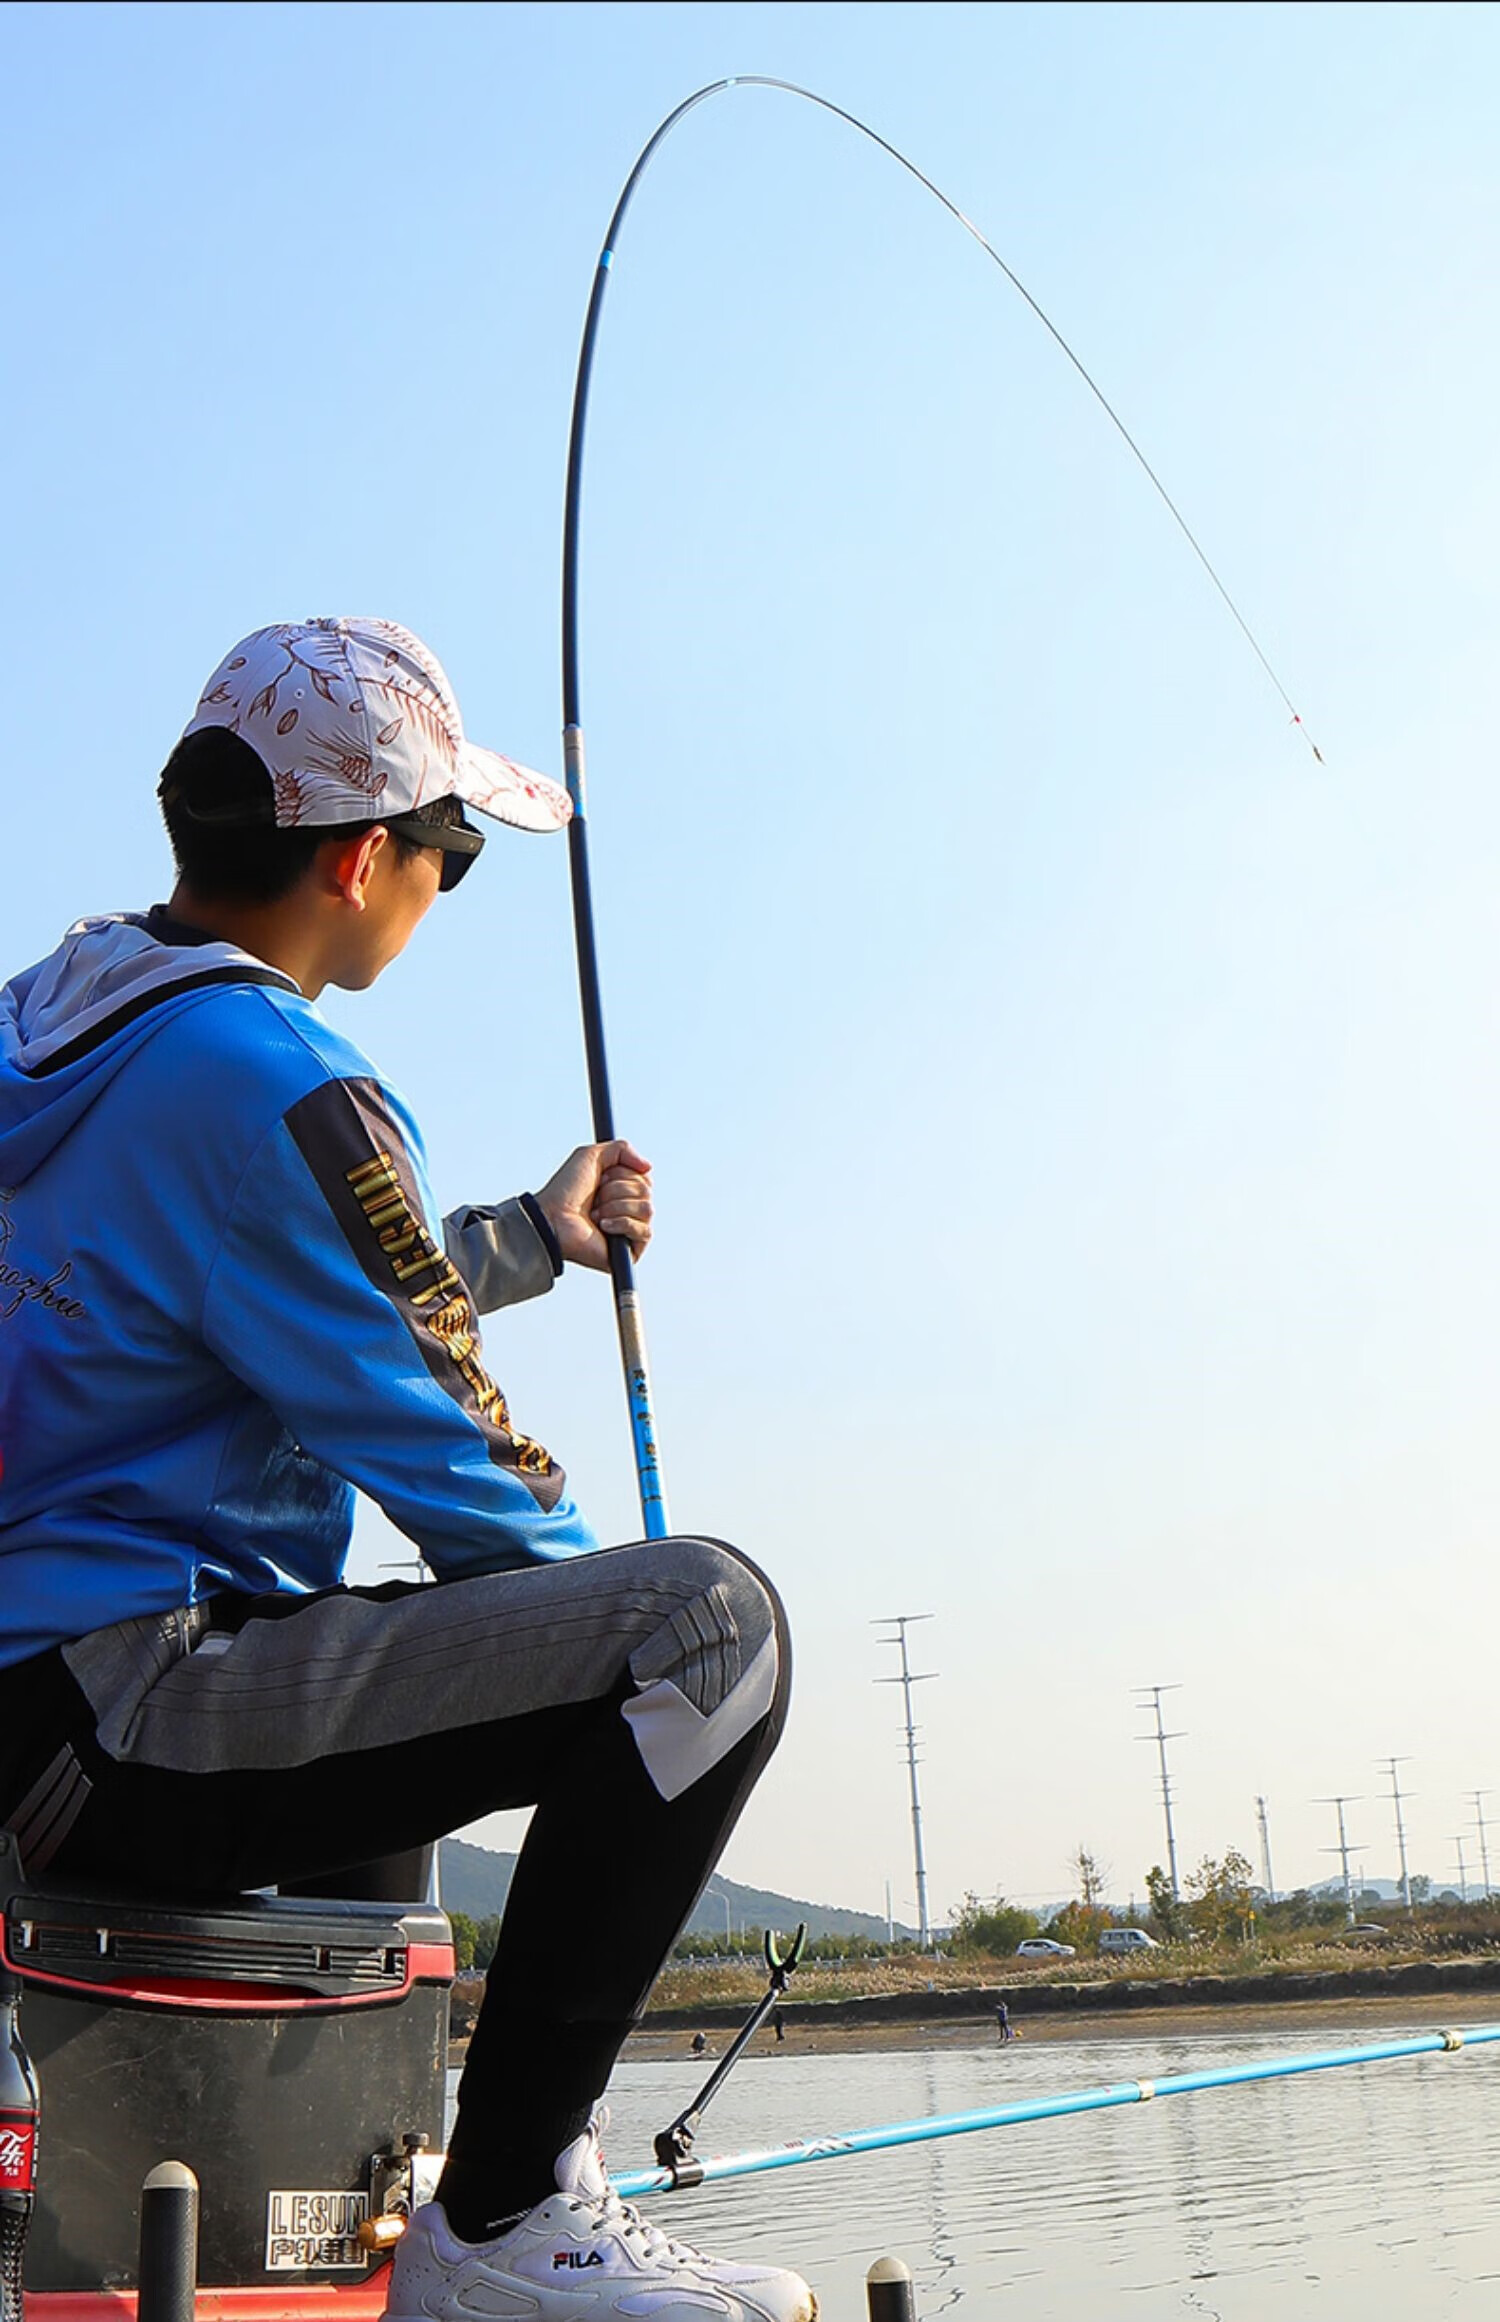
x=632, y=1337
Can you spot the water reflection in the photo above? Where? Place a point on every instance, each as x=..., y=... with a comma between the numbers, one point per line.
x=1329, y=2199
x=940, y=2283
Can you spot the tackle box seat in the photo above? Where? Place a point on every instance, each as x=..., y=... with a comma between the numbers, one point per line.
x=276, y=2044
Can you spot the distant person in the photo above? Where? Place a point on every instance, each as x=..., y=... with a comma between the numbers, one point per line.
x=700, y=2044
x=778, y=2025
x=1003, y=2023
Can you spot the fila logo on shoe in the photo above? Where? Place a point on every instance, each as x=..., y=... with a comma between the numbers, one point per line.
x=575, y=2258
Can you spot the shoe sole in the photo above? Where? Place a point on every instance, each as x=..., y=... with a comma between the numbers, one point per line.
x=588, y=2312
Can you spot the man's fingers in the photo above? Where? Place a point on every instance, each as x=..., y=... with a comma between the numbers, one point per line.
x=635, y=1230
x=623, y=1206
x=628, y=1198
x=620, y=1175
x=624, y=1216
x=619, y=1153
x=623, y=1193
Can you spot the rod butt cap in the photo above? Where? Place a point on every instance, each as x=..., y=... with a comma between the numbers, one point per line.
x=171, y=2176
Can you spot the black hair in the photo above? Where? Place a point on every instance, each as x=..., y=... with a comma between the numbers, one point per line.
x=213, y=777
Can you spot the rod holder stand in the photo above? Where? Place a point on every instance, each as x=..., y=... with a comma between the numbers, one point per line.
x=674, y=2147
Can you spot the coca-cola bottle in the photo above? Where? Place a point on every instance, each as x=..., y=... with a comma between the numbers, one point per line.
x=19, y=2109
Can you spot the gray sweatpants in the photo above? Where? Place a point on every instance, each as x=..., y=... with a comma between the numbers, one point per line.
x=631, y=1697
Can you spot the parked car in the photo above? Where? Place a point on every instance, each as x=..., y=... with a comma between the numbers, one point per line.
x=1366, y=1927
x=1117, y=1939
x=1043, y=1947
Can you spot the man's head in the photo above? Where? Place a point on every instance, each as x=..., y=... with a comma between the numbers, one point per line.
x=315, y=804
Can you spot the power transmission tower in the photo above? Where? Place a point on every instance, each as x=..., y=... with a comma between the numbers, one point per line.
x=1390, y=1765
x=909, y=1677
x=1484, y=1852
x=1463, y=1884
x=1161, y=1738
x=1342, y=1850
x=1265, y=1849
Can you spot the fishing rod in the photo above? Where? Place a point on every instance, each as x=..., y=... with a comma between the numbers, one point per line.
x=1120, y=2092
x=622, y=1272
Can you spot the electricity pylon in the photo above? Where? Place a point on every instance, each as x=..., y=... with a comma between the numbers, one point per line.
x=1390, y=1765
x=1161, y=1738
x=1342, y=1850
x=1265, y=1849
x=1484, y=1852
x=909, y=1677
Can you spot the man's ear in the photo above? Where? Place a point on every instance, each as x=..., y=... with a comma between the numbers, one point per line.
x=350, y=861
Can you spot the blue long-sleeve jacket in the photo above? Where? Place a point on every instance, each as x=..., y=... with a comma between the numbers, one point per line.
x=227, y=1300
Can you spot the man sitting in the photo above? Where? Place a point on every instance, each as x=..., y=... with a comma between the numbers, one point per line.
x=227, y=1301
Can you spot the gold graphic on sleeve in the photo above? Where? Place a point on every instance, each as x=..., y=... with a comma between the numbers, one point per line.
x=411, y=1253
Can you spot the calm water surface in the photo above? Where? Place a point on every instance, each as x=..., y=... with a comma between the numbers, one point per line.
x=1362, y=2193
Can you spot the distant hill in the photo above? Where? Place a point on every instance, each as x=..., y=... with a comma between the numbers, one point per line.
x=1389, y=1890
x=476, y=1880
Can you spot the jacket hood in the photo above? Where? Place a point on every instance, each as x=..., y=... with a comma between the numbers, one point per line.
x=68, y=1024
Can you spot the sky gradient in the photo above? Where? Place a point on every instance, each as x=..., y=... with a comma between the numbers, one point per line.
x=1074, y=1109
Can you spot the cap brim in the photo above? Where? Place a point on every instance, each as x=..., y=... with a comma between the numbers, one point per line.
x=510, y=793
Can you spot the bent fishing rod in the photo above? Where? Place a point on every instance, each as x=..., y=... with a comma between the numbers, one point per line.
x=622, y=1272
x=1080, y=2100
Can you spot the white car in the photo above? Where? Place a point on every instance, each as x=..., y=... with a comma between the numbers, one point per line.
x=1043, y=1947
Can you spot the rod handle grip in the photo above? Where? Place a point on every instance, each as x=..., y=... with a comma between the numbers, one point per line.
x=167, y=2277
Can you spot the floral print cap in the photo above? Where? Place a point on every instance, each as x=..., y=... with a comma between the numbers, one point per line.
x=354, y=719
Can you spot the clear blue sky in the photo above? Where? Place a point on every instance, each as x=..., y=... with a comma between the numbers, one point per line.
x=1074, y=1111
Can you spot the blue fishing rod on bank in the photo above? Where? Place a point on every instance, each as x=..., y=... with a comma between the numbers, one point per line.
x=631, y=1328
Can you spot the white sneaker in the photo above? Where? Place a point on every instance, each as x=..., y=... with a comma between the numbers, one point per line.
x=577, y=2257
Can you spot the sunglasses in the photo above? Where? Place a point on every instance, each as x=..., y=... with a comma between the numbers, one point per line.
x=458, y=843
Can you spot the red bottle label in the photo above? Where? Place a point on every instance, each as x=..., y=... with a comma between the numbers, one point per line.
x=17, y=2152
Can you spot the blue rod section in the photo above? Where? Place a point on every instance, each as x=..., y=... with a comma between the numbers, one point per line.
x=654, y=1516
x=917, y=2132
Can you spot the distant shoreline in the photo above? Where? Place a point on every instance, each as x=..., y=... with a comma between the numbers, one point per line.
x=1336, y=2020
x=1112, y=1995
x=1145, y=2006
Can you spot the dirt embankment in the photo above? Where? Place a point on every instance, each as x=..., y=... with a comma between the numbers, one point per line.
x=1455, y=1976
x=908, y=2018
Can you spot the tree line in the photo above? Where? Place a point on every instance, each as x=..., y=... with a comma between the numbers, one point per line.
x=1219, y=1902
x=475, y=1940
